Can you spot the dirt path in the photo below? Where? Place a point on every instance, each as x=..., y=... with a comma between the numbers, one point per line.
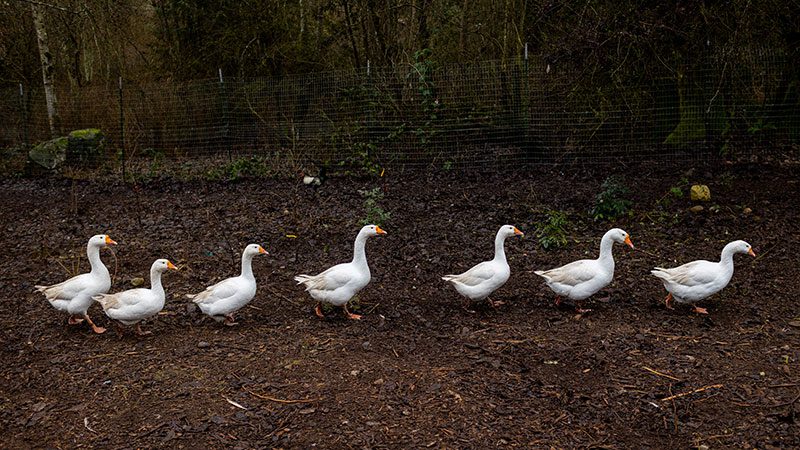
x=418, y=370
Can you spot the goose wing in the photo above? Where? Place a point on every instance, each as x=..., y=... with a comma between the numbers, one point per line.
x=66, y=290
x=329, y=280
x=690, y=274
x=474, y=276
x=223, y=289
x=571, y=274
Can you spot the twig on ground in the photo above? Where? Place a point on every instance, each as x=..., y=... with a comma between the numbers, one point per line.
x=277, y=294
x=704, y=388
x=86, y=424
x=660, y=374
x=279, y=400
x=783, y=385
x=114, y=276
x=790, y=402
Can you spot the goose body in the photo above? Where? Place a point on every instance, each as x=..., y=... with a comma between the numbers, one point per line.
x=74, y=295
x=581, y=279
x=134, y=305
x=697, y=280
x=341, y=282
x=486, y=277
x=222, y=300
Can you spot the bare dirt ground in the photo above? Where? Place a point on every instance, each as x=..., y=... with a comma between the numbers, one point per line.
x=418, y=370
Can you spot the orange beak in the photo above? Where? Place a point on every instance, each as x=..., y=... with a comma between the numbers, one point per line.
x=261, y=250
x=751, y=252
x=379, y=230
x=171, y=266
x=517, y=232
x=110, y=241
x=628, y=241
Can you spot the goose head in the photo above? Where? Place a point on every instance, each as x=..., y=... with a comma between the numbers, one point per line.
x=372, y=230
x=621, y=236
x=101, y=240
x=742, y=247
x=162, y=265
x=510, y=230
x=254, y=249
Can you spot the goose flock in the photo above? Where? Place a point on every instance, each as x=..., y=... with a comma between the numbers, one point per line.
x=576, y=281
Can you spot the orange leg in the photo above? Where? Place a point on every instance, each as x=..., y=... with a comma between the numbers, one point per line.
x=495, y=304
x=229, y=320
x=140, y=332
x=668, y=301
x=95, y=328
x=580, y=310
x=700, y=310
x=74, y=320
x=318, y=311
x=351, y=315
x=466, y=304
x=558, y=301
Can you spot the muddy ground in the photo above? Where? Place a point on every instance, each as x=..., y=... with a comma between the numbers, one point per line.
x=418, y=370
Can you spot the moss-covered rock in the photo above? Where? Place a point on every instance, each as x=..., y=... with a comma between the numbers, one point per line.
x=86, y=147
x=50, y=154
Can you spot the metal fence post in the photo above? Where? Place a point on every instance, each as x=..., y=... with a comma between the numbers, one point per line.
x=369, y=116
x=225, y=123
x=24, y=114
x=122, y=129
x=525, y=101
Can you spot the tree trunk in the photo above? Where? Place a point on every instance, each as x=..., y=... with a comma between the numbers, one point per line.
x=423, y=35
x=350, y=33
x=47, y=70
x=462, y=32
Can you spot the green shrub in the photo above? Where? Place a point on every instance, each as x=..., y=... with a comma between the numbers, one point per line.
x=374, y=213
x=551, y=231
x=611, y=203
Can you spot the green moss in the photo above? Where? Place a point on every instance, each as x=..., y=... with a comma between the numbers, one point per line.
x=88, y=133
x=50, y=154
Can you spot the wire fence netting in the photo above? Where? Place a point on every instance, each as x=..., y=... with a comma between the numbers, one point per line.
x=486, y=114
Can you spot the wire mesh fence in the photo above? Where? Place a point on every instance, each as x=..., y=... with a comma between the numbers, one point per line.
x=486, y=114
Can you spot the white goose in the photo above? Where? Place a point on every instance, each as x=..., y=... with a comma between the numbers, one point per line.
x=484, y=278
x=341, y=282
x=134, y=305
x=697, y=280
x=222, y=300
x=581, y=279
x=75, y=295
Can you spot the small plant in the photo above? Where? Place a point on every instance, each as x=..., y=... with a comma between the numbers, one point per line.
x=241, y=167
x=760, y=126
x=552, y=232
x=611, y=203
x=372, y=209
x=726, y=179
x=674, y=193
x=362, y=159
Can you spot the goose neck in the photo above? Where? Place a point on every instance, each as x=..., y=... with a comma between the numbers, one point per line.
x=726, y=259
x=606, y=245
x=155, y=281
x=499, y=247
x=247, y=265
x=359, y=252
x=93, y=252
